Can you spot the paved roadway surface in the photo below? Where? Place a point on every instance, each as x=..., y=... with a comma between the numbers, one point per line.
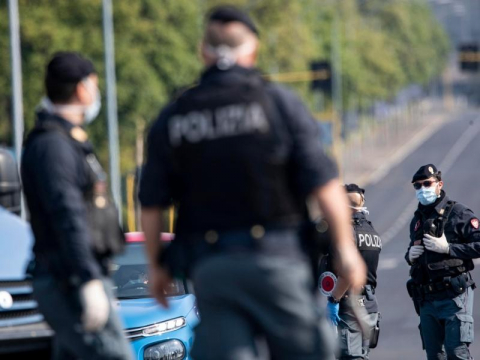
x=455, y=149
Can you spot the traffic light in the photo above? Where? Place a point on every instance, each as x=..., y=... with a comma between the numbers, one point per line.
x=469, y=57
x=321, y=79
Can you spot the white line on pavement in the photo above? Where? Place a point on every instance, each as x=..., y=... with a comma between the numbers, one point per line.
x=400, y=155
x=388, y=263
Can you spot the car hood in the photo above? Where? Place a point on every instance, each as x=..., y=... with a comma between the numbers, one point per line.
x=143, y=312
x=16, y=241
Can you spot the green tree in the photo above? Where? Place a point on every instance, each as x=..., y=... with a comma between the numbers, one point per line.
x=384, y=46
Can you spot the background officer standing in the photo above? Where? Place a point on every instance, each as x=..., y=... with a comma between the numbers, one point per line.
x=239, y=156
x=339, y=309
x=63, y=188
x=444, y=238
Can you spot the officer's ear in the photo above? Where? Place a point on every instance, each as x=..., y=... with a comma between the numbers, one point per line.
x=206, y=56
x=85, y=90
x=440, y=185
x=363, y=200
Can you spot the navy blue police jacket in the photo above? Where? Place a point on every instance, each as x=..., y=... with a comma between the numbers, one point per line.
x=232, y=152
x=55, y=177
x=369, y=245
x=462, y=233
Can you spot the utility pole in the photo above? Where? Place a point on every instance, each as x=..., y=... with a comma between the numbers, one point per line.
x=113, y=147
x=336, y=66
x=17, y=98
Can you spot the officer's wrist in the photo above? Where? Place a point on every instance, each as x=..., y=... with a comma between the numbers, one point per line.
x=333, y=300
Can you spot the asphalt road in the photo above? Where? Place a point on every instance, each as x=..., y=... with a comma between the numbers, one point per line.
x=455, y=150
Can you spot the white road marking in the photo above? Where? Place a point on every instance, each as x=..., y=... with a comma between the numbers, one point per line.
x=401, y=154
x=388, y=263
x=449, y=160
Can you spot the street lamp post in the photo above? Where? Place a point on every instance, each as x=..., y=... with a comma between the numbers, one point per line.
x=112, y=104
x=16, y=68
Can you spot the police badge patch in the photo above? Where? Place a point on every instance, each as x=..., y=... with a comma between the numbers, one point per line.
x=327, y=283
x=474, y=223
x=417, y=225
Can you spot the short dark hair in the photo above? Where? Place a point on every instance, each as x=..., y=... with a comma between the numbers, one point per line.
x=228, y=13
x=64, y=71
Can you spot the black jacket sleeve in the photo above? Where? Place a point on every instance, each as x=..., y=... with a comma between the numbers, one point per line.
x=467, y=228
x=412, y=226
x=56, y=170
x=313, y=167
x=157, y=173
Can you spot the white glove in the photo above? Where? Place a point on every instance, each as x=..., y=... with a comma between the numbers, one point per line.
x=438, y=245
x=415, y=252
x=96, y=307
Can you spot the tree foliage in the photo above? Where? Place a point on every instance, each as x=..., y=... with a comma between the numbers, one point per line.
x=384, y=46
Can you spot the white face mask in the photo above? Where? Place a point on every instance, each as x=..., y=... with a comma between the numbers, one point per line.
x=227, y=56
x=90, y=112
x=362, y=209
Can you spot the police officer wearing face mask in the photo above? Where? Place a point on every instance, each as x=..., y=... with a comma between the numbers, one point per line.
x=444, y=238
x=239, y=156
x=352, y=343
x=73, y=220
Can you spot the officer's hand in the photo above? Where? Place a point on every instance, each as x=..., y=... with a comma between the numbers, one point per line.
x=351, y=267
x=415, y=252
x=96, y=306
x=159, y=281
x=332, y=313
x=436, y=244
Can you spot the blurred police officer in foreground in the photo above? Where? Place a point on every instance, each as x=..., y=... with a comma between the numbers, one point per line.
x=444, y=238
x=339, y=307
x=239, y=156
x=74, y=223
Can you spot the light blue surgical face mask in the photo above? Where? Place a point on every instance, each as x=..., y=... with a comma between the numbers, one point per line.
x=427, y=196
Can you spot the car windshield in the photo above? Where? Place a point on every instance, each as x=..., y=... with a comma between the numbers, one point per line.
x=130, y=275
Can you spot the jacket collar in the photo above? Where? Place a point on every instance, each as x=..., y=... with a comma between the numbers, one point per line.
x=234, y=74
x=359, y=216
x=43, y=116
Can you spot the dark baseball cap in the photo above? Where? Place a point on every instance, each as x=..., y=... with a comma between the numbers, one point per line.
x=426, y=172
x=69, y=67
x=354, y=188
x=229, y=13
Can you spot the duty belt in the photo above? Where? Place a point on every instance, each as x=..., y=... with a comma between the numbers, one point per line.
x=272, y=241
x=445, y=284
x=366, y=292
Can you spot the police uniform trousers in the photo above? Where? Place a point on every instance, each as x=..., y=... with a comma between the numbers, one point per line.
x=446, y=326
x=246, y=295
x=62, y=310
x=352, y=344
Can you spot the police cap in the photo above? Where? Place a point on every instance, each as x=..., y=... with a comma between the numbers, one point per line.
x=228, y=13
x=354, y=188
x=426, y=172
x=69, y=67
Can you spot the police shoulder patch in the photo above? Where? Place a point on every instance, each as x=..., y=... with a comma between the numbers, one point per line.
x=475, y=223
x=417, y=225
